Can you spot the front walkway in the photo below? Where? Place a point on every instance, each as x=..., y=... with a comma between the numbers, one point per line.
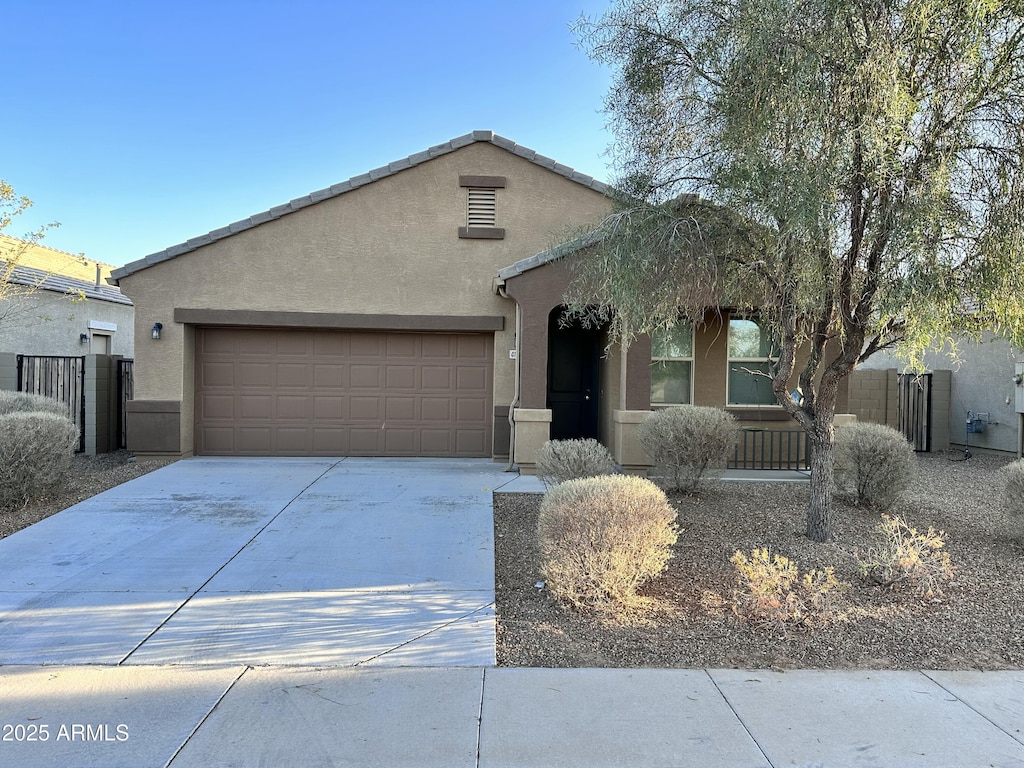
x=262, y=561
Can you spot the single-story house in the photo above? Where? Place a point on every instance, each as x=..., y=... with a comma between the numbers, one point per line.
x=415, y=310
x=60, y=304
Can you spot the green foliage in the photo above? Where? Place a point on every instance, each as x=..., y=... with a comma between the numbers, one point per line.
x=858, y=171
x=773, y=591
x=23, y=402
x=684, y=442
x=876, y=464
x=907, y=556
x=561, y=460
x=602, y=537
x=36, y=449
x=1013, y=488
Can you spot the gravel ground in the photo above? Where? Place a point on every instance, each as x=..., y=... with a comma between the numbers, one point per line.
x=687, y=619
x=89, y=475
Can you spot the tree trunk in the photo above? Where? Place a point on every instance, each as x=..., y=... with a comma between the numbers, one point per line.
x=819, y=509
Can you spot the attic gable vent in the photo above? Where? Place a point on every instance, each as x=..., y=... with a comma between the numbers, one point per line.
x=482, y=207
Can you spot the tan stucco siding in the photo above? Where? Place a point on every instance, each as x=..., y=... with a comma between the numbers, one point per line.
x=390, y=247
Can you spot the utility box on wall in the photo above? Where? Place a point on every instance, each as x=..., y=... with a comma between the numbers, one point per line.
x=1018, y=380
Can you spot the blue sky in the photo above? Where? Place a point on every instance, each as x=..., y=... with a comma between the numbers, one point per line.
x=140, y=124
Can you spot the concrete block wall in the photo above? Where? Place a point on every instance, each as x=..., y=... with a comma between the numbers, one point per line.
x=8, y=371
x=872, y=396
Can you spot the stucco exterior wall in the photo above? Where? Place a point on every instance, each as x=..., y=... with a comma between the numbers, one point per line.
x=50, y=323
x=387, y=248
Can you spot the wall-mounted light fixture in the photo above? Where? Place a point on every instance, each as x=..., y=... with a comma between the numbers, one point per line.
x=157, y=327
x=83, y=338
x=1018, y=378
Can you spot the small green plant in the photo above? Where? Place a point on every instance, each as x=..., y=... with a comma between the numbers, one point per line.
x=876, y=464
x=602, y=537
x=684, y=442
x=773, y=591
x=1013, y=488
x=36, y=449
x=23, y=402
x=907, y=556
x=561, y=460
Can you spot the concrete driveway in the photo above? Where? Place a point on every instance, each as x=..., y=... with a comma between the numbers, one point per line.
x=262, y=561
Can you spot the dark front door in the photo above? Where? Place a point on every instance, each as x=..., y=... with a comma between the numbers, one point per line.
x=574, y=354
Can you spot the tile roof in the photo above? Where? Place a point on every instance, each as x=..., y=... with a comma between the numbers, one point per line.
x=359, y=181
x=546, y=257
x=64, y=284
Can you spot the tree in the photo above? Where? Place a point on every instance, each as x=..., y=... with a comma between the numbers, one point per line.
x=850, y=170
x=13, y=294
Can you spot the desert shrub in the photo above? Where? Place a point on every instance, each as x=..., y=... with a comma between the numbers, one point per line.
x=602, y=537
x=1013, y=488
x=685, y=441
x=875, y=464
x=23, y=402
x=907, y=556
x=773, y=591
x=561, y=460
x=35, y=454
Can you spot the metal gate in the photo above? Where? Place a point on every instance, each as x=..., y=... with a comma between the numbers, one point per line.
x=914, y=409
x=125, y=392
x=59, y=378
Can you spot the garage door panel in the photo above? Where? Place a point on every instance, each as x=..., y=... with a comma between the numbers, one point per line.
x=339, y=393
x=293, y=375
x=216, y=375
x=435, y=409
x=438, y=347
x=400, y=377
x=255, y=407
x=363, y=376
x=217, y=407
x=363, y=408
x=329, y=376
x=329, y=408
x=255, y=375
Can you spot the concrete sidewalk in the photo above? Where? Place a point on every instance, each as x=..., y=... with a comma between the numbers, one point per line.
x=200, y=717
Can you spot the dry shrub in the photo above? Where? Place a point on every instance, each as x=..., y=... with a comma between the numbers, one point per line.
x=561, y=460
x=773, y=591
x=907, y=556
x=1013, y=488
x=602, y=537
x=876, y=463
x=36, y=449
x=23, y=402
x=685, y=441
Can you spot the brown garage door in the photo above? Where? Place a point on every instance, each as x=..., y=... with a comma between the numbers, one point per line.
x=262, y=392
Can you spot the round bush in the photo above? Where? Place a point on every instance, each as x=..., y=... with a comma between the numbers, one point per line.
x=685, y=441
x=561, y=460
x=35, y=454
x=875, y=463
x=1013, y=488
x=23, y=402
x=602, y=537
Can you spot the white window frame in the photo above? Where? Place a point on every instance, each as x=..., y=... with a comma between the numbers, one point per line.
x=658, y=359
x=733, y=363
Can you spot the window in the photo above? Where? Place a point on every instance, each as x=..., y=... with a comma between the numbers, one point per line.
x=482, y=207
x=751, y=356
x=672, y=365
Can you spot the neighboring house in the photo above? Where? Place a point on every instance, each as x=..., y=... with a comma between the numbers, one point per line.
x=60, y=304
x=405, y=312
